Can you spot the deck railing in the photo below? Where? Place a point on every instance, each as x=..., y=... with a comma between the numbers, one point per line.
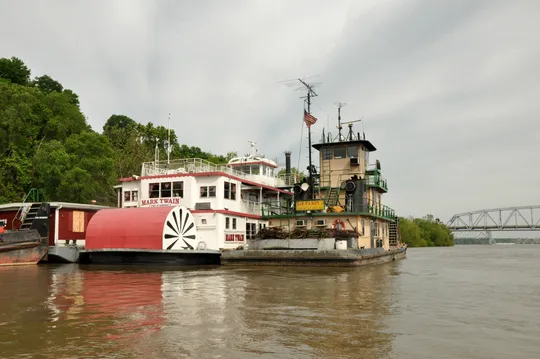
x=252, y=207
x=197, y=165
x=274, y=208
x=377, y=181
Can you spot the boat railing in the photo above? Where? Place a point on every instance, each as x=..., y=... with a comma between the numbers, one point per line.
x=369, y=207
x=198, y=165
x=34, y=195
x=376, y=180
x=186, y=165
x=252, y=207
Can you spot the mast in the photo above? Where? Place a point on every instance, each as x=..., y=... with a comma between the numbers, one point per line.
x=339, y=106
x=169, y=143
x=310, y=94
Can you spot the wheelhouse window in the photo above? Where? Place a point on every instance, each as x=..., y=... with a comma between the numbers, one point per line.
x=340, y=152
x=208, y=191
x=352, y=151
x=229, y=190
x=127, y=196
x=154, y=190
x=134, y=195
x=327, y=153
x=178, y=189
x=234, y=223
x=227, y=219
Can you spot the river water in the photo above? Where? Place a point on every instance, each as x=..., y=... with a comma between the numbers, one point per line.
x=459, y=302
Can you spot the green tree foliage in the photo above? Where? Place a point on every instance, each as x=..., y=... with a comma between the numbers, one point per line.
x=47, y=85
x=425, y=232
x=15, y=71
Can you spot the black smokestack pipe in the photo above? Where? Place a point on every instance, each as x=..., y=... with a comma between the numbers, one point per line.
x=288, y=167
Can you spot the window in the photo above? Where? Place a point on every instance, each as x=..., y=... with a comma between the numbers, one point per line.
x=127, y=196
x=166, y=189
x=234, y=223
x=363, y=227
x=327, y=153
x=154, y=190
x=229, y=190
x=134, y=195
x=208, y=191
x=251, y=229
x=339, y=152
x=178, y=189
x=352, y=151
x=227, y=222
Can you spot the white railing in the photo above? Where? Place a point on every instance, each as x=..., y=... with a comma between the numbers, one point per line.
x=371, y=166
x=186, y=165
x=252, y=207
x=198, y=165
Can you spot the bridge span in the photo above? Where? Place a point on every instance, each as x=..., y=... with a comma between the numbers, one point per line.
x=476, y=226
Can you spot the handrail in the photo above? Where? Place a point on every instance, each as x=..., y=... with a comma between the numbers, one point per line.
x=34, y=195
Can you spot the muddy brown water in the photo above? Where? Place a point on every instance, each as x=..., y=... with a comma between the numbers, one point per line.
x=459, y=302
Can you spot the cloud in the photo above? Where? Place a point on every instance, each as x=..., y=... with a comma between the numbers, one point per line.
x=447, y=90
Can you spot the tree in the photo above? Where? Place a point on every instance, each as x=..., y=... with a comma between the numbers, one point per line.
x=47, y=85
x=425, y=232
x=15, y=71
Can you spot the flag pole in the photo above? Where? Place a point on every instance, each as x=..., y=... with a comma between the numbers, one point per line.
x=169, y=143
x=310, y=93
x=310, y=181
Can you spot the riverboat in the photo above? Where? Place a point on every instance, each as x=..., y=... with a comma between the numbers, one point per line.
x=192, y=205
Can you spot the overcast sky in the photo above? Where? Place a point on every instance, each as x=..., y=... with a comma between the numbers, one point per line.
x=449, y=90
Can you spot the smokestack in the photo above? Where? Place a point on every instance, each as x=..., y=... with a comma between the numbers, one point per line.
x=288, y=167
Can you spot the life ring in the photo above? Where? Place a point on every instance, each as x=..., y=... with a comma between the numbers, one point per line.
x=338, y=224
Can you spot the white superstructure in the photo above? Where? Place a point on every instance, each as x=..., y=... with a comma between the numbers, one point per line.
x=225, y=200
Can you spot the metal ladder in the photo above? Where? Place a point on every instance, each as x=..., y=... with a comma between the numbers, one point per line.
x=26, y=216
x=393, y=233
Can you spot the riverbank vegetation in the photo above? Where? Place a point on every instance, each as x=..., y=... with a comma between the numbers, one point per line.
x=425, y=232
x=47, y=143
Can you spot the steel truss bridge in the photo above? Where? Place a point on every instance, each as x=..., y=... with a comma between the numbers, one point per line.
x=476, y=227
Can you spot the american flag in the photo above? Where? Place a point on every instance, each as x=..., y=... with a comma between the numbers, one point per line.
x=309, y=119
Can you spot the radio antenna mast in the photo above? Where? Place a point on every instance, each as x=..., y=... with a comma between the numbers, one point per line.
x=339, y=106
x=308, y=87
x=169, y=143
x=310, y=93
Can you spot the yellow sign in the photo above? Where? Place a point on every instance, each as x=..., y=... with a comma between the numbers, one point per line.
x=316, y=205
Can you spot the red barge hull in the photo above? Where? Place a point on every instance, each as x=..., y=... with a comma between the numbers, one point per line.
x=22, y=253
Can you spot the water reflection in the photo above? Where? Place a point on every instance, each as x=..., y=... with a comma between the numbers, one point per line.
x=125, y=312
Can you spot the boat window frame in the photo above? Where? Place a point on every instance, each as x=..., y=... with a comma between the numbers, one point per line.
x=180, y=190
x=340, y=148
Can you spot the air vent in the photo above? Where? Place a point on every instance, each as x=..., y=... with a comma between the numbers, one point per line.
x=203, y=205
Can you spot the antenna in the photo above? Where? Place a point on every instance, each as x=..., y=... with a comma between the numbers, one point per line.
x=339, y=106
x=169, y=142
x=310, y=93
